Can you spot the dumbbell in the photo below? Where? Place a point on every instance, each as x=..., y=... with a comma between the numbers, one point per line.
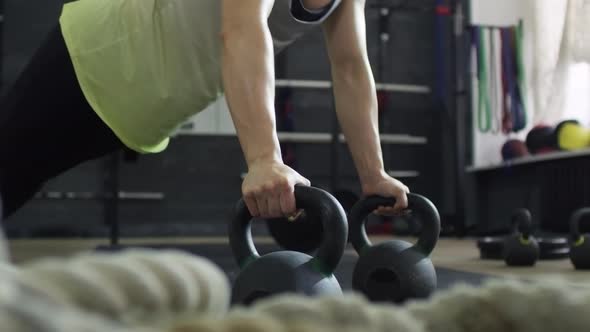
x=521, y=248
x=570, y=135
x=290, y=271
x=579, y=243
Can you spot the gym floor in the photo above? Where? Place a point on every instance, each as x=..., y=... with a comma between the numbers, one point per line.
x=456, y=261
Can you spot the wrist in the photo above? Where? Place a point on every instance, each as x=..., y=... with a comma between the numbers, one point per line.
x=369, y=181
x=265, y=159
x=261, y=146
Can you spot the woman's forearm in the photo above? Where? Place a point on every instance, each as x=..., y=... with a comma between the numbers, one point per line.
x=248, y=75
x=356, y=106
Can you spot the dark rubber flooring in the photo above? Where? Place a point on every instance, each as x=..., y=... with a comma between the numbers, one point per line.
x=222, y=256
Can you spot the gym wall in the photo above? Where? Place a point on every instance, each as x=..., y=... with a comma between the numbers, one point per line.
x=503, y=13
x=25, y=25
x=550, y=186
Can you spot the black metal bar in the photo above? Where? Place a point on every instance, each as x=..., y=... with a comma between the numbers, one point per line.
x=88, y=195
x=2, y=19
x=384, y=37
x=112, y=203
x=460, y=104
x=489, y=26
x=334, y=150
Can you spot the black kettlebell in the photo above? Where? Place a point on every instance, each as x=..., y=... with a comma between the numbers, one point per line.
x=394, y=271
x=520, y=247
x=290, y=271
x=579, y=243
x=303, y=234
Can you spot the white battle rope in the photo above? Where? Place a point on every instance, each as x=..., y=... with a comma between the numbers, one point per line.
x=143, y=290
x=500, y=305
x=136, y=286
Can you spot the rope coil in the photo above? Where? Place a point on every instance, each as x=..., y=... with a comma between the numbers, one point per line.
x=134, y=287
x=499, y=305
x=92, y=293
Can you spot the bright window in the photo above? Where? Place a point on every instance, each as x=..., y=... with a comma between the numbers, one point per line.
x=577, y=94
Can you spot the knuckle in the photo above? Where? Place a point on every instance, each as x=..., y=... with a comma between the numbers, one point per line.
x=284, y=185
x=267, y=189
x=281, y=187
x=253, y=209
x=256, y=191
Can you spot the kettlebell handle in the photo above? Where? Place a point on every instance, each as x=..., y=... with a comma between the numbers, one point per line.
x=417, y=203
x=522, y=223
x=575, y=220
x=320, y=203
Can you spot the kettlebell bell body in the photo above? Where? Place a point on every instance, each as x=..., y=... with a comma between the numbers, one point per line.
x=377, y=273
x=290, y=271
x=520, y=251
x=394, y=271
x=520, y=247
x=285, y=272
x=579, y=243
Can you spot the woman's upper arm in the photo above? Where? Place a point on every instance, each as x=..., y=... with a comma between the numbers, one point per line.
x=235, y=14
x=345, y=32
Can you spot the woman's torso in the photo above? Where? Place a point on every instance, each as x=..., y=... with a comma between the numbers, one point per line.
x=146, y=66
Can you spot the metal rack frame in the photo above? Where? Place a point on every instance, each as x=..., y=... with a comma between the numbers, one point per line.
x=336, y=137
x=1, y=42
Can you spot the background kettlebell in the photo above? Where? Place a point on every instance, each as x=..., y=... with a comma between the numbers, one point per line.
x=579, y=243
x=520, y=247
x=290, y=271
x=395, y=270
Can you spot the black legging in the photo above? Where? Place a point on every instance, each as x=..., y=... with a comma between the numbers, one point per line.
x=46, y=125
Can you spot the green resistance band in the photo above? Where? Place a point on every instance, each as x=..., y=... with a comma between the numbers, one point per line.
x=484, y=111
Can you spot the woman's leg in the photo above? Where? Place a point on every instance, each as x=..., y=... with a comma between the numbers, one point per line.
x=46, y=125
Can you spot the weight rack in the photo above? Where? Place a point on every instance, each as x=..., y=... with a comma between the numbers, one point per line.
x=111, y=195
x=447, y=91
x=336, y=137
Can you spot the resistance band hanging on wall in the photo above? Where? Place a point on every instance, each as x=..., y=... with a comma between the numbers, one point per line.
x=495, y=85
x=498, y=69
x=520, y=74
x=484, y=112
